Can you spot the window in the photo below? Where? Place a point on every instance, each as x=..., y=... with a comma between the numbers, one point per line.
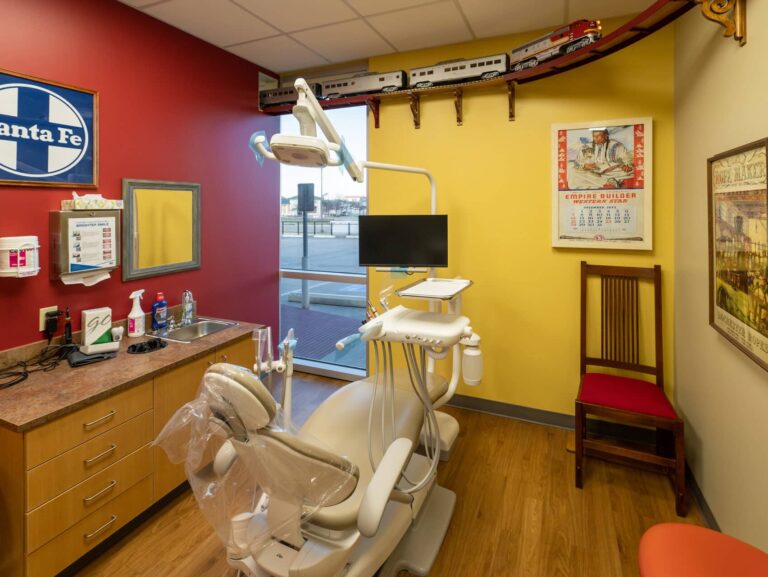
x=323, y=310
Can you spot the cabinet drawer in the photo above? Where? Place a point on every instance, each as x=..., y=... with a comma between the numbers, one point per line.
x=57, y=515
x=57, y=475
x=54, y=438
x=85, y=535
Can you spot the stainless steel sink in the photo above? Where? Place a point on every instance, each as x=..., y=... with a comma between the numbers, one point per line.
x=199, y=328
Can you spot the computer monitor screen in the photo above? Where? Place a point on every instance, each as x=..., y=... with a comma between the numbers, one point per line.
x=404, y=240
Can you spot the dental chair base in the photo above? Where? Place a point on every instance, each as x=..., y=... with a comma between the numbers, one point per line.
x=419, y=539
x=418, y=549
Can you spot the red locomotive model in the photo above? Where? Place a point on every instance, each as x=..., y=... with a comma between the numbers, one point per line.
x=564, y=40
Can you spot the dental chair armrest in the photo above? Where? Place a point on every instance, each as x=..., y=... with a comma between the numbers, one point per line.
x=224, y=458
x=377, y=495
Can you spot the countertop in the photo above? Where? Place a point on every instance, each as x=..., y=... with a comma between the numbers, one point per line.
x=46, y=396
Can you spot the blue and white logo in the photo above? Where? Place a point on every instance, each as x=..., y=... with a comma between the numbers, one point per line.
x=42, y=134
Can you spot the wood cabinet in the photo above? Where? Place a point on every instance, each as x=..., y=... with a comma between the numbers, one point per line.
x=70, y=483
x=172, y=390
x=242, y=353
x=179, y=386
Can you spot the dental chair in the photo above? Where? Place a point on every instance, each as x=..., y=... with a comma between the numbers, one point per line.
x=326, y=500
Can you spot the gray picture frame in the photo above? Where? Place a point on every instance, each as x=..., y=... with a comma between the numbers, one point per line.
x=130, y=254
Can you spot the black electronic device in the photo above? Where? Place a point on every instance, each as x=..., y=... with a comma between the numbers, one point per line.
x=149, y=346
x=78, y=359
x=306, y=197
x=404, y=241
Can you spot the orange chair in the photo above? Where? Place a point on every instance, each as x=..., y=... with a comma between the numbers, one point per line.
x=677, y=550
x=624, y=399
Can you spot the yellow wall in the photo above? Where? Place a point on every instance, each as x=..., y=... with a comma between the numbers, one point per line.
x=494, y=182
x=722, y=394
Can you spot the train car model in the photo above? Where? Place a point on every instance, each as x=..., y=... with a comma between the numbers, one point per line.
x=284, y=95
x=364, y=84
x=460, y=71
x=564, y=40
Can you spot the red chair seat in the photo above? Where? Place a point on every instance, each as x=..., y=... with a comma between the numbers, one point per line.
x=677, y=550
x=625, y=394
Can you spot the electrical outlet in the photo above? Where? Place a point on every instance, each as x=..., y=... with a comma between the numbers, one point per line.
x=44, y=310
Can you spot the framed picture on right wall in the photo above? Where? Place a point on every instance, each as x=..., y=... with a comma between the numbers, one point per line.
x=738, y=248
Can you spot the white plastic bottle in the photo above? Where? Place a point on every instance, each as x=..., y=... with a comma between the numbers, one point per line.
x=136, y=316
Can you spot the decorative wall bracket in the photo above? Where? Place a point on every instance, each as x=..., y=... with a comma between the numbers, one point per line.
x=458, y=102
x=374, y=105
x=415, y=109
x=731, y=14
x=511, y=84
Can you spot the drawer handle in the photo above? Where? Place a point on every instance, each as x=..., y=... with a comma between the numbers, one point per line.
x=225, y=357
x=99, y=421
x=88, y=500
x=104, y=527
x=100, y=456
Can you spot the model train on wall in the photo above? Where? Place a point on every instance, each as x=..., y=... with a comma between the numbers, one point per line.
x=564, y=40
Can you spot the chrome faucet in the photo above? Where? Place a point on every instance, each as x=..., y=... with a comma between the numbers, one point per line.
x=187, y=307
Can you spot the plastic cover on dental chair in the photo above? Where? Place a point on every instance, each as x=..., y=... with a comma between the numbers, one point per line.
x=239, y=454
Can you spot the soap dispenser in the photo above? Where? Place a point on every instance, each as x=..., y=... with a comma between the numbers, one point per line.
x=159, y=312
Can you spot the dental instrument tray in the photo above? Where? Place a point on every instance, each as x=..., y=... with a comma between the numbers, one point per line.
x=444, y=289
x=404, y=325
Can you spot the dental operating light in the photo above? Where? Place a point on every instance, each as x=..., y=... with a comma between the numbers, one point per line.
x=308, y=149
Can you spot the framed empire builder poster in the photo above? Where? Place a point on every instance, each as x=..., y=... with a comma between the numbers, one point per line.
x=602, y=180
x=738, y=248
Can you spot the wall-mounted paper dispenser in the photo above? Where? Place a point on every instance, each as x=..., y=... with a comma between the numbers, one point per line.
x=85, y=245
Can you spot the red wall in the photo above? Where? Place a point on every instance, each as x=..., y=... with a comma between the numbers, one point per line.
x=171, y=108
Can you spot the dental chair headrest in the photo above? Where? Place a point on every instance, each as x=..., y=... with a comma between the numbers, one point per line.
x=238, y=388
x=244, y=409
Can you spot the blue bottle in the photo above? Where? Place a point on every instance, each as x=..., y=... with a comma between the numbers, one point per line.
x=160, y=313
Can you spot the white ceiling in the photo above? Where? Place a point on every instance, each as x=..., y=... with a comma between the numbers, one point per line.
x=285, y=35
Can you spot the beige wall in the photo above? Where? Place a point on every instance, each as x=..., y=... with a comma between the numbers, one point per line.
x=721, y=103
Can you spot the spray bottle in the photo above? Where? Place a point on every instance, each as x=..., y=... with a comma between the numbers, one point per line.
x=136, y=316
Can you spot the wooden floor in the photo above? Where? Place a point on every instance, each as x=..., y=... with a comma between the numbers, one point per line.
x=518, y=513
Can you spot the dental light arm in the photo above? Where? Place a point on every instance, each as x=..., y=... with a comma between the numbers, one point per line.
x=309, y=150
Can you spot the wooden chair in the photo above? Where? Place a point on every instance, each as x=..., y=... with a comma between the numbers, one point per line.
x=625, y=399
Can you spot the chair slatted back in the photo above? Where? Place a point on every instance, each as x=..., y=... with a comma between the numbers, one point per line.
x=619, y=322
x=620, y=319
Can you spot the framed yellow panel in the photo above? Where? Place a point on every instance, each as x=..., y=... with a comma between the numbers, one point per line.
x=161, y=232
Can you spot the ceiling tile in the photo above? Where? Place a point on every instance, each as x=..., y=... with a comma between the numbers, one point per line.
x=291, y=15
x=368, y=7
x=600, y=9
x=215, y=21
x=406, y=29
x=343, y=42
x=279, y=54
x=499, y=17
